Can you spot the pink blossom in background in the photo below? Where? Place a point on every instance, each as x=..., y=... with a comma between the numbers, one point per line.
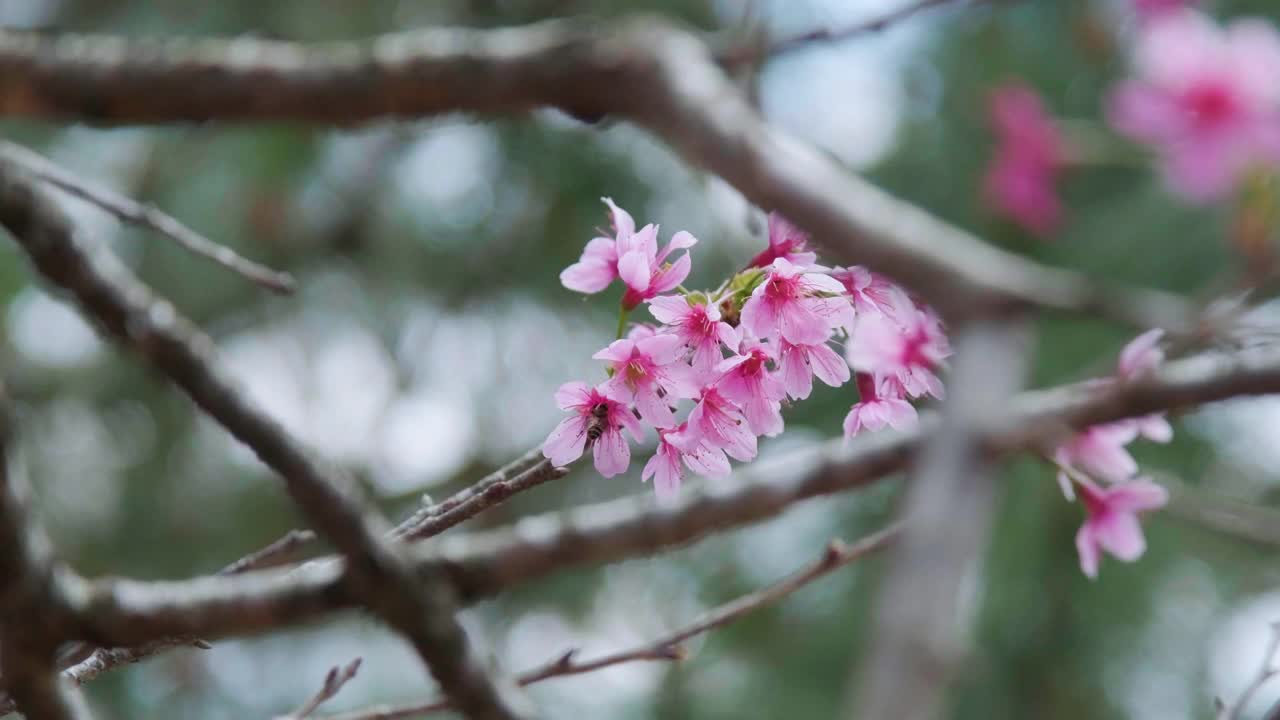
x=641, y=370
x=785, y=241
x=799, y=363
x=1141, y=355
x=590, y=407
x=746, y=380
x=717, y=422
x=1030, y=152
x=1112, y=523
x=698, y=326
x=1206, y=99
x=877, y=408
x=1099, y=451
x=787, y=304
x=908, y=354
x=1154, y=9
x=673, y=447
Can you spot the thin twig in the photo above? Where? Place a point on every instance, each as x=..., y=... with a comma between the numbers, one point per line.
x=738, y=55
x=1266, y=671
x=669, y=647
x=477, y=499
x=333, y=682
x=277, y=553
x=150, y=217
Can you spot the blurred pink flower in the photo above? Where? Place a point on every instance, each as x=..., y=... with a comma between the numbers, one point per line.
x=1141, y=355
x=787, y=304
x=1112, y=521
x=593, y=415
x=1206, y=99
x=799, y=363
x=907, y=354
x=1030, y=151
x=643, y=372
x=785, y=241
x=1098, y=451
x=873, y=293
x=877, y=408
x=1152, y=9
x=698, y=326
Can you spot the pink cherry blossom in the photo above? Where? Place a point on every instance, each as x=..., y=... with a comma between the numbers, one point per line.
x=1141, y=355
x=746, y=380
x=1112, y=521
x=646, y=271
x=598, y=266
x=1098, y=451
x=1030, y=152
x=785, y=241
x=592, y=411
x=787, y=304
x=873, y=293
x=717, y=422
x=877, y=408
x=1206, y=99
x=907, y=353
x=698, y=326
x=799, y=363
x=643, y=371
x=673, y=446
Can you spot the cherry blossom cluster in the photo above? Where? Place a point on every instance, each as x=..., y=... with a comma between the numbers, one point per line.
x=1203, y=98
x=1097, y=462
x=714, y=372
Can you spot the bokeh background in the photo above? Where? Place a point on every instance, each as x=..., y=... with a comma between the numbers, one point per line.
x=430, y=331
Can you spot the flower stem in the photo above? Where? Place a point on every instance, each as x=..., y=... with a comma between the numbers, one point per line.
x=622, y=321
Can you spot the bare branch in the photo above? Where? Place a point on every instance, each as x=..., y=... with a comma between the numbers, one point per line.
x=333, y=682
x=481, y=564
x=669, y=647
x=1266, y=671
x=476, y=499
x=277, y=553
x=662, y=78
x=421, y=606
x=502, y=474
x=148, y=217
x=34, y=616
x=950, y=500
x=736, y=56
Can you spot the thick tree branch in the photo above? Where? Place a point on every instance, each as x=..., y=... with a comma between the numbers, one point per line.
x=950, y=501
x=481, y=564
x=34, y=616
x=126, y=210
x=661, y=78
x=421, y=606
x=669, y=647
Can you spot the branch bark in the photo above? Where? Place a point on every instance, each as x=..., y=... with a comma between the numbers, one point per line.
x=662, y=78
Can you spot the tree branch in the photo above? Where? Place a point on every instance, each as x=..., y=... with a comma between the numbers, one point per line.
x=147, y=216
x=951, y=498
x=662, y=78
x=420, y=606
x=481, y=564
x=34, y=616
x=669, y=646
x=333, y=682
